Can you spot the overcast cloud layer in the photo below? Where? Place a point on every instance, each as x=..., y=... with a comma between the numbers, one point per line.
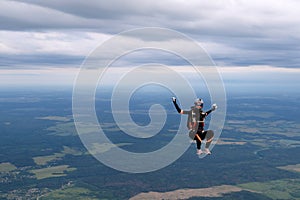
x=61, y=33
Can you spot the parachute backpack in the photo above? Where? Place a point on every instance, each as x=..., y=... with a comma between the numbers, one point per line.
x=193, y=118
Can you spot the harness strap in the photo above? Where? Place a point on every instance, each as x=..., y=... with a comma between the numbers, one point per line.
x=198, y=137
x=210, y=139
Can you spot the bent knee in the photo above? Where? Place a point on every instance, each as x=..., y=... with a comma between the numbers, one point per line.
x=210, y=134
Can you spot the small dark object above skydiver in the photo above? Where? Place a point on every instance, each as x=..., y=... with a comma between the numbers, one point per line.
x=195, y=124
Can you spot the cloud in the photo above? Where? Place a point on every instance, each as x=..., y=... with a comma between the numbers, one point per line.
x=55, y=48
x=235, y=32
x=34, y=61
x=238, y=18
x=26, y=16
x=37, y=77
x=69, y=42
x=263, y=79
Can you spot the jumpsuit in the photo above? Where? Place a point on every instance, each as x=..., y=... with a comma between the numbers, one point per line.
x=196, y=118
x=195, y=124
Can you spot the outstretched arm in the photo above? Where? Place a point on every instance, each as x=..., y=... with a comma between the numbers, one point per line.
x=176, y=106
x=213, y=108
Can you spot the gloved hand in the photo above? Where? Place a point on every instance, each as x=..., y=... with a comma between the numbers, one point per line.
x=214, y=107
x=176, y=106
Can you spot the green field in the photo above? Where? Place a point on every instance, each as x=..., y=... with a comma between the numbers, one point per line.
x=55, y=118
x=293, y=168
x=7, y=167
x=63, y=129
x=50, y=172
x=71, y=194
x=43, y=160
x=277, y=189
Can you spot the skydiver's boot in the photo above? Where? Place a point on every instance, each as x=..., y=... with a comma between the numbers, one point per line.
x=207, y=151
x=199, y=152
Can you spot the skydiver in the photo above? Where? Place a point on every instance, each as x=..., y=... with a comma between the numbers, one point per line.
x=195, y=124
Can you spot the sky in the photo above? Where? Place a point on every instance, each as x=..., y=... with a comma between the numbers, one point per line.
x=47, y=41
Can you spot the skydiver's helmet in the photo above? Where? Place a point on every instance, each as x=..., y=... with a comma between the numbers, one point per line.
x=198, y=102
